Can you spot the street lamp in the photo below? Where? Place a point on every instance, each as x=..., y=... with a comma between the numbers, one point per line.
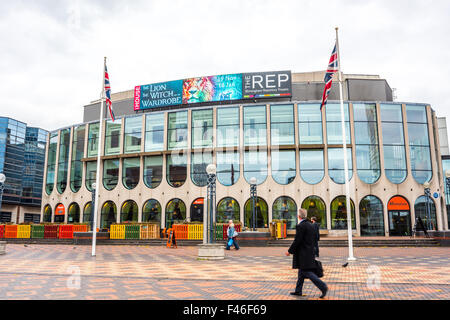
x=447, y=189
x=427, y=190
x=2, y=186
x=253, y=182
x=211, y=171
x=94, y=186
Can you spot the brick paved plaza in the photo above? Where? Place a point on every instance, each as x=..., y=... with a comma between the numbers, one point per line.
x=146, y=272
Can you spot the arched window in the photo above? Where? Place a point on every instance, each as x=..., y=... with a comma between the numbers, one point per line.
x=312, y=168
x=336, y=168
x=151, y=211
x=91, y=174
x=197, y=207
x=261, y=213
x=51, y=163
x=315, y=207
x=87, y=213
x=199, y=162
x=60, y=213
x=371, y=216
x=76, y=168
x=175, y=212
x=228, y=209
x=109, y=214
x=130, y=172
x=110, y=173
x=284, y=208
x=176, y=169
x=393, y=142
x=129, y=211
x=63, y=160
x=420, y=209
x=339, y=213
x=153, y=166
x=74, y=213
x=284, y=167
x=47, y=214
x=255, y=165
x=366, y=141
x=228, y=167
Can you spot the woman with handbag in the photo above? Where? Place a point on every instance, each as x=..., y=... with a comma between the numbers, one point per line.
x=232, y=235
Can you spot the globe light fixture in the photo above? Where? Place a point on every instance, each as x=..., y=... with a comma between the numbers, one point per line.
x=253, y=180
x=211, y=169
x=2, y=178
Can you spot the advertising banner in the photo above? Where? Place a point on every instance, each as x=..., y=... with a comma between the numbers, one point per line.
x=267, y=84
x=158, y=95
x=213, y=88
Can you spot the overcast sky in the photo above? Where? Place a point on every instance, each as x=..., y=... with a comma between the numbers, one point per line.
x=51, y=52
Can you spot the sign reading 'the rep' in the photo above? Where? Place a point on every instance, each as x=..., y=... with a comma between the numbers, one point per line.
x=267, y=84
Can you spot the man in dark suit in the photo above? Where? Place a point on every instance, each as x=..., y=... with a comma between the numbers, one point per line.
x=317, y=228
x=303, y=250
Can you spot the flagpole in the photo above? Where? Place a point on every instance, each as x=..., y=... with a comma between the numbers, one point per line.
x=97, y=177
x=344, y=143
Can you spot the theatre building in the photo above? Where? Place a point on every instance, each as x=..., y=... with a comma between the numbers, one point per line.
x=266, y=125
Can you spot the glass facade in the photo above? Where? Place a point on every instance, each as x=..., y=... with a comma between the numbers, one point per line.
x=310, y=124
x=177, y=131
x=47, y=217
x=110, y=173
x=175, y=212
x=51, y=163
x=339, y=213
x=76, y=167
x=312, y=166
x=419, y=143
x=282, y=124
x=73, y=215
x=202, y=128
x=130, y=172
x=371, y=216
x=91, y=174
x=151, y=212
x=63, y=160
x=112, y=137
x=133, y=135
x=199, y=162
x=336, y=164
x=87, y=212
x=284, y=166
x=366, y=141
x=228, y=167
x=284, y=208
x=228, y=127
x=255, y=126
x=393, y=142
x=227, y=209
x=176, y=170
x=129, y=212
x=153, y=167
x=420, y=208
x=316, y=207
x=334, y=124
x=93, y=136
x=108, y=215
x=261, y=213
x=154, y=132
x=255, y=165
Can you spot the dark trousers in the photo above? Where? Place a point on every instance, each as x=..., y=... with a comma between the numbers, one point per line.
x=236, y=245
x=316, y=250
x=302, y=274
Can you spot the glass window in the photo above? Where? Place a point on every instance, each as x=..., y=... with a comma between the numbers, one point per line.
x=129, y=212
x=312, y=168
x=228, y=167
x=255, y=128
x=197, y=207
x=255, y=165
x=199, y=162
x=153, y=166
x=228, y=128
x=336, y=164
x=176, y=169
x=63, y=160
x=371, y=216
x=110, y=173
x=228, y=209
x=109, y=215
x=202, y=128
x=177, y=130
x=284, y=166
x=339, y=213
x=131, y=172
x=420, y=209
x=47, y=214
x=74, y=213
x=87, y=212
x=112, y=137
x=315, y=207
x=93, y=140
x=133, y=134
x=282, y=124
x=175, y=212
x=51, y=164
x=91, y=174
x=310, y=124
x=334, y=125
x=419, y=143
x=393, y=142
x=284, y=208
x=151, y=212
x=76, y=168
x=154, y=132
x=261, y=213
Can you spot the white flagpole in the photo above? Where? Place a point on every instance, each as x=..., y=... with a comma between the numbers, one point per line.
x=344, y=143
x=97, y=179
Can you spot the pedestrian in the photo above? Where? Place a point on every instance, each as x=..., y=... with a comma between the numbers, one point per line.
x=317, y=228
x=232, y=236
x=303, y=250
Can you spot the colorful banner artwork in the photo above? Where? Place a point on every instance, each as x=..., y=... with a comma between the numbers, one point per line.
x=213, y=88
x=158, y=95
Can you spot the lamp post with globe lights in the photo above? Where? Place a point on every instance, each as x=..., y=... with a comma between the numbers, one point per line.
x=91, y=220
x=253, y=182
x=211, y=171
x=2, y=186
x=427, y=190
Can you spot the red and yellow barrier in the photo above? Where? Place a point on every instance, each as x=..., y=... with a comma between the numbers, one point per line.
x=117, y=231
x=10, y=231
x=181, y=231
x=80, y=228
x=51, y=232
x=66, y=231
x=23, y=231
x=195, y=232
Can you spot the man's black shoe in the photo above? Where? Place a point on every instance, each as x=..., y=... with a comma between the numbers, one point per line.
x=324, y=293
x=297, y=294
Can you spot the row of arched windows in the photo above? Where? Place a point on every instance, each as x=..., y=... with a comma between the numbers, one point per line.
x=370, y=211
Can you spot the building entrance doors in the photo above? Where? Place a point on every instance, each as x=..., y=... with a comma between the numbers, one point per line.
x=399, y=216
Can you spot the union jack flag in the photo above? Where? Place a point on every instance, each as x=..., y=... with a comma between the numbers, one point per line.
x=108, y=95
x=331, y=70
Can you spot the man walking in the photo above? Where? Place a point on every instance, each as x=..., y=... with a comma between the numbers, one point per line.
x=303, y=250
x=317, y=228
